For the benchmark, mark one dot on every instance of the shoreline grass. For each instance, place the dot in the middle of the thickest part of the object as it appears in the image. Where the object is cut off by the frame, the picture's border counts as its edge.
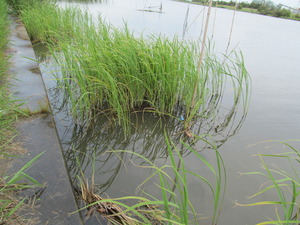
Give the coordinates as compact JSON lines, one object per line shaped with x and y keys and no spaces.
{"x":5,"y":103}
{"x":111,"y":71}
{"x":96,"y":59}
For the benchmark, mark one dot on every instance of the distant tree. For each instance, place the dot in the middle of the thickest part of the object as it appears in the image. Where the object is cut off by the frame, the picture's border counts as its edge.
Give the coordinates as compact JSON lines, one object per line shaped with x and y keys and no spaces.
{"x":200,"y":1}
{"x":244,"y":5}
{"x":222,"y":3}
{"x":231,"y":3}
{"x":266,"y":8}
{"x":254,"y":5}
{"x":282,"y":13}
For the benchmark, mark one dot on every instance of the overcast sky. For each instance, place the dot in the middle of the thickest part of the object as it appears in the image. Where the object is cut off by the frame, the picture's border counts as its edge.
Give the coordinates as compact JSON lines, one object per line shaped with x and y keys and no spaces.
{"x":292,"y":3}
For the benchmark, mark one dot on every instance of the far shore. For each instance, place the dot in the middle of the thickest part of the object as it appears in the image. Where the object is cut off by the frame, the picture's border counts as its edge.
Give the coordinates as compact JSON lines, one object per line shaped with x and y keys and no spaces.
{"x":247,"y":10}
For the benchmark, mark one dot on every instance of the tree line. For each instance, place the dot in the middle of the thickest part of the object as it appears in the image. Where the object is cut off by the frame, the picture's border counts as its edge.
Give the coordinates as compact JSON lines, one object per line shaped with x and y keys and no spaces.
{"x":264,"y":7}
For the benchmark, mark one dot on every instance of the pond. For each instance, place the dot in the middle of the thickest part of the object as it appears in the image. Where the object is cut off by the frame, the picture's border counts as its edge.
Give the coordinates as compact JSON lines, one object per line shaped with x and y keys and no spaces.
{"x":270,"y":47}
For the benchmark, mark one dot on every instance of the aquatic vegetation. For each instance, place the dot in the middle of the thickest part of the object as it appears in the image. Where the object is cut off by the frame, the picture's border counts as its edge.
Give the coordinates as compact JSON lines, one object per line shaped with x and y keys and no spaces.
{"x":46,"y":22}
{"x":114,"y":72}
{"x":175,"y":206}
{"x":84,"y":141}
{"x":284,"y":182}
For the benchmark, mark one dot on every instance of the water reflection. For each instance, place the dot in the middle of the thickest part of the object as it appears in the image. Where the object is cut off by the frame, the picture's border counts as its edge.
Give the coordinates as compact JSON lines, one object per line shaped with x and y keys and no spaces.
{"x":86,"y":145}
{"x":274,"y":113}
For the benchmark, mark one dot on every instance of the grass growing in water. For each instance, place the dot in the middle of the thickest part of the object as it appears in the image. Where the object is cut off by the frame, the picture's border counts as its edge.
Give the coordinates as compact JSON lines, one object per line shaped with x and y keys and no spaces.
{"x":107,"y":70}
{"x":111,"y":71}
{"x":46,"y":22}
{"x":175,"y":206}
{"x":285,"y":183}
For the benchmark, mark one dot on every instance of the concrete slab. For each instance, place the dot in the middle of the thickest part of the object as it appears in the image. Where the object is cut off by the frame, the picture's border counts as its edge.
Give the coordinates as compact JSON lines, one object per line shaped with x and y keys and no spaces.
{"x":27,"y":84}
{"x":38,"y":134}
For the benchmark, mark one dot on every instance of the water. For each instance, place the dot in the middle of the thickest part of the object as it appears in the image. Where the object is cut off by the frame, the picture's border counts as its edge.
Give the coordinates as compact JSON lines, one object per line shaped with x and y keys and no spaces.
{"x":271,"y":50}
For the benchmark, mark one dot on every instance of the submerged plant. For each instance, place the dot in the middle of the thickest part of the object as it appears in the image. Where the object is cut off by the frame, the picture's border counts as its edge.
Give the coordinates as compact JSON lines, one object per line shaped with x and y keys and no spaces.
{"x":285,"y":183}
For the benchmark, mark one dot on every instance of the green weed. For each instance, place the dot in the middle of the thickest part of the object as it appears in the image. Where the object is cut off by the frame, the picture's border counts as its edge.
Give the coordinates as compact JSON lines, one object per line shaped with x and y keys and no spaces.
{"x":174,"y":206}
{"x":284,"y":182}
{"x":10,"y":203}
{"x":9,"y":186}
{"x":111,"y":71}
{"x":5,"y":103}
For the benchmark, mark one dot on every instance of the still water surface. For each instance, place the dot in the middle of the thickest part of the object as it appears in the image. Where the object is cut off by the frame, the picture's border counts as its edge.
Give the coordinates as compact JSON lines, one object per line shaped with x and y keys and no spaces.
{"x":271,"y":48}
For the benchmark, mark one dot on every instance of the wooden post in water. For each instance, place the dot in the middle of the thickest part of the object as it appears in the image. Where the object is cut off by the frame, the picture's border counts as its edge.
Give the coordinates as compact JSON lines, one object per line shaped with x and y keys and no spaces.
{"x":200,"y":59}
{"x":231,"y":28}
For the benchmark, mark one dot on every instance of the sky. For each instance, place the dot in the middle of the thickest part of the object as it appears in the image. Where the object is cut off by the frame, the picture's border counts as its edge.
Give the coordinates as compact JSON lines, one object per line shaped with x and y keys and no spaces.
{"x":292,"y":3}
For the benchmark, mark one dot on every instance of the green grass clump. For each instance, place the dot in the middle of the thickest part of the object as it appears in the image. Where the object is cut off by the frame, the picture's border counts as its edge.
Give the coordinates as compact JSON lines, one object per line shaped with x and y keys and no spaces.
{"x":5,"y":103}
{"x":3,"y":29}
{"x":46,"y":22}
{"x":10,"y":203}
{"x":18,"y":5}
{"x":111,"y":71}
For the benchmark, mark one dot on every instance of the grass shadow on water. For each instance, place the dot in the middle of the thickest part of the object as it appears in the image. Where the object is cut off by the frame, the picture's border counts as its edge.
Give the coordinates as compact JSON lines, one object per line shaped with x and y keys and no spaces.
{"x":174,"y":205}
